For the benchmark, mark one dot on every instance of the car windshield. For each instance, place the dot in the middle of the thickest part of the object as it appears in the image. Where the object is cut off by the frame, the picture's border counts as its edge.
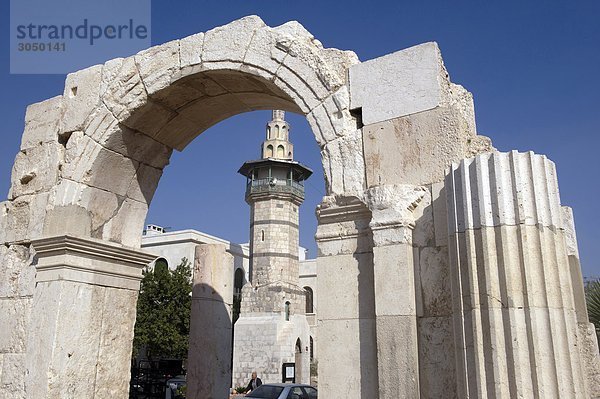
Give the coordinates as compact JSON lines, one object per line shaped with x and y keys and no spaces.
{"x":266,"y":392}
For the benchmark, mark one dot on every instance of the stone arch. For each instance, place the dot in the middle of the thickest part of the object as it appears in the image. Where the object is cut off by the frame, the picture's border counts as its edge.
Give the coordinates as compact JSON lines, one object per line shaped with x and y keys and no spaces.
{"x":116,"y":135}
{"x":91,"y":159}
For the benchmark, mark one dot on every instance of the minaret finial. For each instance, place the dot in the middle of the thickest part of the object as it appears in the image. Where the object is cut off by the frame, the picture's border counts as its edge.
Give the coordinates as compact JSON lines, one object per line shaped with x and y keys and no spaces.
{"x":278,"y":115}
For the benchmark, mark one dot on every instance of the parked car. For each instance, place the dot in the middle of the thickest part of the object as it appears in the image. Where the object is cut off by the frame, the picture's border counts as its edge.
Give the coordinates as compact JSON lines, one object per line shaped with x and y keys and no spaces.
{"x":284,"y":391}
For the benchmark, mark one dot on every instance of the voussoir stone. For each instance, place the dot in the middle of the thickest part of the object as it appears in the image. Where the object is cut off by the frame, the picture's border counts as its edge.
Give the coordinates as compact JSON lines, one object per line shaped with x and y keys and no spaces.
{"x":190,"y":50}
{"x":345,"y":157}
{"x":122,"y":89}
{"x":80,"y":97}
{"x":229,"y":42}
{"x":157,"y":65}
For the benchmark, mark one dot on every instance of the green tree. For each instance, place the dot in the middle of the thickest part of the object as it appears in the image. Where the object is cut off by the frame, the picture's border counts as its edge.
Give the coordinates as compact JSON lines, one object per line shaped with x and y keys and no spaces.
{"x":592,"y":299}
{"x":163,"y":311}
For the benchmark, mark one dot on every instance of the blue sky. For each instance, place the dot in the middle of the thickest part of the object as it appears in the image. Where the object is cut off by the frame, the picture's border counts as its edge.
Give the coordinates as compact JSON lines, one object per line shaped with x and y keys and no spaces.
{"x":532,"y":66}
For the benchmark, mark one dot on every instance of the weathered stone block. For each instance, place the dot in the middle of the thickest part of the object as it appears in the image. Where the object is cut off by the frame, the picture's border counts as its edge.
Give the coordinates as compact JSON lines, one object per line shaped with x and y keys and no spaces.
{"x":399,"y":84}
{"x":126,"y":225}
{"x":397,"y":356}
{"x":17,"y":273}
{"x":42,"y":122}
{"x":434,"y":278}
{"x":415,"y":149}
{"x":157,"y":65}
{"x":24,"y":217}
{"x":16,"y":313}
{"x":12,"y":376}
{"x":345,"y":157}
{"x":229,"y":42}
{"x":36,"y":169}
{"x":355,"y":365}
{"x":80,"y":98}
{"x":437,"y":378}
{"x":190,"y":49}
{"x":144,"y":184}
{"x":122,"y":89}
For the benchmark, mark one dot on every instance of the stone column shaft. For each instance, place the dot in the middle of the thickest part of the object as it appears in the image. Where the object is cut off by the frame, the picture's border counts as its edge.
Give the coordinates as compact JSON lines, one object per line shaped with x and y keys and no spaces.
{"x":395,"y":289}
{"x":346,"y":303}
{"x":209,"y":357}
{"x":515,"y":322}
{"x":84,"y":310}
{"x":396,"y":316}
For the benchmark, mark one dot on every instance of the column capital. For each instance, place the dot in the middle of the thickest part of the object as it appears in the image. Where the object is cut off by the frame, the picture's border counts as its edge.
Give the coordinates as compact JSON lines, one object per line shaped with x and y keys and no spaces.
{"x":89,"y":261}
{"x":392,"y":207}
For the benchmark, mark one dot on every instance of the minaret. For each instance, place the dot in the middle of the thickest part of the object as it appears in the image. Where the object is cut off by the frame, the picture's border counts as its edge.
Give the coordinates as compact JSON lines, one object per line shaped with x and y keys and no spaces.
{"x":272,"y":328}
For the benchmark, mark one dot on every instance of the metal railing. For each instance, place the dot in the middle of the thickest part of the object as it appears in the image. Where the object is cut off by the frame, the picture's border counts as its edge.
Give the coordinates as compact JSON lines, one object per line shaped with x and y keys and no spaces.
{"x":272,"y":185}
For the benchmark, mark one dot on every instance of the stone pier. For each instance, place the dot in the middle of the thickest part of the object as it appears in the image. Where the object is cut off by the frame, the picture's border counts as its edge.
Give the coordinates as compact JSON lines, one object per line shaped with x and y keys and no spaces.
{"x":209,"y":356}
{"x":85,"y":298}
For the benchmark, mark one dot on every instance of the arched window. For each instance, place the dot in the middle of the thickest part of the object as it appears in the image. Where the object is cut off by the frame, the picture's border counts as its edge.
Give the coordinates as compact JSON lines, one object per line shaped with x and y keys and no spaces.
{"x":277,"y":131}
{"x":238,"y":281}
{"x":283,"y":132}
{"x":287,"y":311}
{"x":280,"y":151}
{"x":269,"y":153}
{"x":268,"y":132}
{"x":161,"y":265}
{"x":309,"y":300}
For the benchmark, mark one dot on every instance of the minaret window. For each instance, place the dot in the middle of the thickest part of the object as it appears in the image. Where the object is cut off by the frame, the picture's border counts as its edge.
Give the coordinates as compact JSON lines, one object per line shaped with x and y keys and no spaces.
{"x":269,"y":153}
{"x":280,"y":151}
{"x":278,"y":134}
{"x":268,"y":132}
{"x":309,"y":300}
{"x":287,"y":311}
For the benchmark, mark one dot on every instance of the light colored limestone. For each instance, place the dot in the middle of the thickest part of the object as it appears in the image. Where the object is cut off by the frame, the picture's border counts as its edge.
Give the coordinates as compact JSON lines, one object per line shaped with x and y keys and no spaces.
{"x":399,"y":84}
{"x":508,"y":254}
{"x":394,"y":241}
{"x":157,"y":64}
{"x":42,"y":122}
{"x":229,"y":42}
{"x":36,"y":169}
{"x":80,"y":98}
{"x":419,"y":147}
{"x":94,"y":286}
{"x":209,"y":358}
{"x":345,"y":165}
{"x":190,"y":50}
{"x":122,"y":89}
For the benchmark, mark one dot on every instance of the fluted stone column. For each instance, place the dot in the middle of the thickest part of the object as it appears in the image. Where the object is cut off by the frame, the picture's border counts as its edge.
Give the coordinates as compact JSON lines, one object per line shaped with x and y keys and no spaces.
{"x":209,"y":357}
{"x":514,"y":313}
{"x":587,"y":341}
{"x":392,"y":225}
{"x":346,"y":302}
{"x":84,"y":305}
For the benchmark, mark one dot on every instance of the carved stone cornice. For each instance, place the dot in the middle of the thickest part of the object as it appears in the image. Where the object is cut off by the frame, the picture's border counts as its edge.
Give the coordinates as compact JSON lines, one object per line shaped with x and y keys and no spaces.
{"x":341,"y":218}
{"x":89,"y":261}
{"x":343,"y":227}
{"x":392,"y":208}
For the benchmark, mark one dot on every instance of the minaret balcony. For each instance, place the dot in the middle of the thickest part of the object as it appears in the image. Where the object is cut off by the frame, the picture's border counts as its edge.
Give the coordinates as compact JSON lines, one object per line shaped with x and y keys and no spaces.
{"x":274,"y":185}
